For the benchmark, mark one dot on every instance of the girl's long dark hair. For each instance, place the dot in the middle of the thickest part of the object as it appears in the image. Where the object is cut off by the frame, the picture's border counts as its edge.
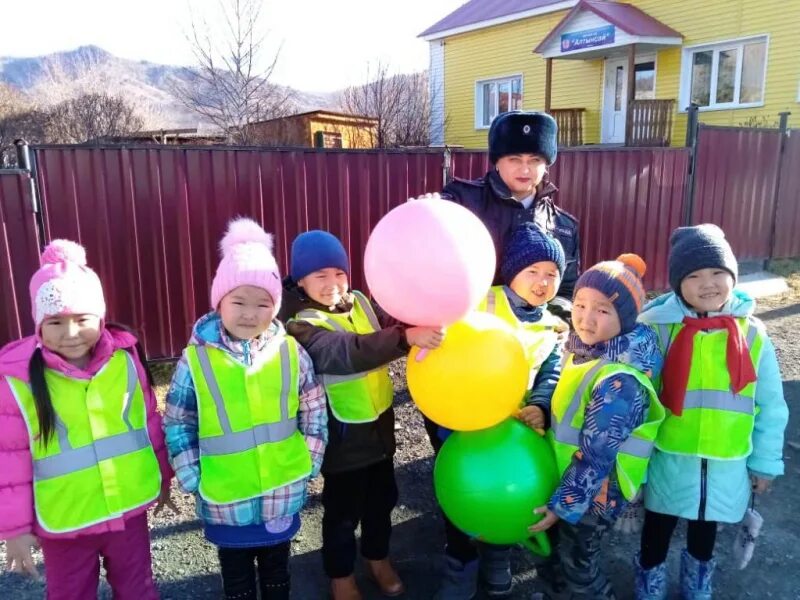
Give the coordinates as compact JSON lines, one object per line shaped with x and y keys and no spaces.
{"x":46,"y":414}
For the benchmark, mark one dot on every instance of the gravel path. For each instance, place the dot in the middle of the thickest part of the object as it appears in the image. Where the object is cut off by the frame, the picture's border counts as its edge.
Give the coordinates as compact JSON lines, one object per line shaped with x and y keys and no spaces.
{"x":186,"y":566}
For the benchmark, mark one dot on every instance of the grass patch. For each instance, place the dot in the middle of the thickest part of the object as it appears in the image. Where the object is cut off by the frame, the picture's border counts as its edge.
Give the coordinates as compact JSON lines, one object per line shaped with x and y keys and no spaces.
{"x":162,"y":375}
{"x":789,"y":269}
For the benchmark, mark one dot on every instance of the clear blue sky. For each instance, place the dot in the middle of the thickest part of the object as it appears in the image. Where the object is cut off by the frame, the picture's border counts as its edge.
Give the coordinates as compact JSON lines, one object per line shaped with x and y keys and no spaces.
{"x":326,"y":44}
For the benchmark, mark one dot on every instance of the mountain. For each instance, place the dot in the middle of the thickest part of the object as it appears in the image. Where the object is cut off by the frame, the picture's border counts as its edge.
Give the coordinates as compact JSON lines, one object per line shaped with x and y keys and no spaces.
{"x":54,"y":77}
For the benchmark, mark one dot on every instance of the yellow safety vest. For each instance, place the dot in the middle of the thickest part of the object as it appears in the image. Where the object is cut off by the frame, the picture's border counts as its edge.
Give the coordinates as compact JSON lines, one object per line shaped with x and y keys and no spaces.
{"x":248,"y":435}
{"x":716,"y":422}
{"x":360,"y":397}
{"x":100,"y":464}
{"x":538,"y":339}
{"x":572,"y":396}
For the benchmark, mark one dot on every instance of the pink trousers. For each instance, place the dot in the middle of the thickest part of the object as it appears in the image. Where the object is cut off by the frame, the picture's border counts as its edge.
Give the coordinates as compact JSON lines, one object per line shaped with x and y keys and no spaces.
{"x":72,"y":566}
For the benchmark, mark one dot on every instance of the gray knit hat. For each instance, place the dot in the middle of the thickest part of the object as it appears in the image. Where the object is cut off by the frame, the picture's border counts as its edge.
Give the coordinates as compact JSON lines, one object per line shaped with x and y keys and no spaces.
{"x":699,"y":247}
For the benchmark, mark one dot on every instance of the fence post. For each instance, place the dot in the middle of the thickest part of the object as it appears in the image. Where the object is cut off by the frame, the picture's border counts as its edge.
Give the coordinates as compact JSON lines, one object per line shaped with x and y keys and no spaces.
{"x":692,"y":132}
{"x":26,"y":162}
{"x":783,"y":126}
{"x":447,"y":166}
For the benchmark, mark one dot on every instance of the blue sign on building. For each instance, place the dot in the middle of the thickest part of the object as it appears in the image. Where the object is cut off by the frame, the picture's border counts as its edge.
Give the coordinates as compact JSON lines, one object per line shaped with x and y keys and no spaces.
{"x":588,"y":38}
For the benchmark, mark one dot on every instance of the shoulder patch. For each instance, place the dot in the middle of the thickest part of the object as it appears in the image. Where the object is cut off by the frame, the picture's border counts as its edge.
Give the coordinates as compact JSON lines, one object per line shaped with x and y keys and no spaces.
{"x":564,"y":213}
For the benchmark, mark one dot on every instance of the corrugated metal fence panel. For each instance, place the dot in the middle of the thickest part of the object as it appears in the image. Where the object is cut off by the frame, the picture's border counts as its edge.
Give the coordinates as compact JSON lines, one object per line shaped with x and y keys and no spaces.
{"x":151,"y":218}
{"x":787,"y":228}
{"x":19,"y":254}
{"x":735,"y":186}
{"x":627,"y":200}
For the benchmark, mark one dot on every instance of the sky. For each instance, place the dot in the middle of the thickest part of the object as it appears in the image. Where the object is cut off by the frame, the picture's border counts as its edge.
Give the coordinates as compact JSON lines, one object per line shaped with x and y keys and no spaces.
{"x":324,"y":44}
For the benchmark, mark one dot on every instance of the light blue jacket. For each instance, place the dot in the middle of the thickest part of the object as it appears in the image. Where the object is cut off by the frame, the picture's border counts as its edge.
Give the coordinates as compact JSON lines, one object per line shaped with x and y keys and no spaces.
{"x":674,"y":481}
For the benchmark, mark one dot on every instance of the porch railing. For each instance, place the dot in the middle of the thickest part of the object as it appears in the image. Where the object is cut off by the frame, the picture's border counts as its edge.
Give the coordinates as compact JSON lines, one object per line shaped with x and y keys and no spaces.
{"x":650,"y":122}
{"x":570,"y":125}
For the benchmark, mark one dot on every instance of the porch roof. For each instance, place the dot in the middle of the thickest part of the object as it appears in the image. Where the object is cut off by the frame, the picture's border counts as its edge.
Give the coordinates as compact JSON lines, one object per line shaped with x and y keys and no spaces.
{"x":637,"y":27}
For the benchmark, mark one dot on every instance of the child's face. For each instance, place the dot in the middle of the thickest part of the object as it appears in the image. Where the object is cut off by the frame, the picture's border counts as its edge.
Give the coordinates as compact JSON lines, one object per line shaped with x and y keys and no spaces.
{"x":594,"y":317}
{"x":71,"y":336}
{"x":538,"y":283}
{"x":707,"y":290}
{"x":326,"y":286}
{"x":521,"y":172}
{"x":247,"y":311}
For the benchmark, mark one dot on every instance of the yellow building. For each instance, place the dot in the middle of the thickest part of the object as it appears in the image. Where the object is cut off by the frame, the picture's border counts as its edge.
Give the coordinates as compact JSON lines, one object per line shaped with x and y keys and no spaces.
{"x":613,"y":72}
{"x":317,"y":129}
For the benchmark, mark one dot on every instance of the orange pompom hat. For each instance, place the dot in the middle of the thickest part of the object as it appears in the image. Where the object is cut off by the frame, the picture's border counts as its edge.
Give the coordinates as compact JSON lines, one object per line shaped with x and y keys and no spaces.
{"x":621,"y":281}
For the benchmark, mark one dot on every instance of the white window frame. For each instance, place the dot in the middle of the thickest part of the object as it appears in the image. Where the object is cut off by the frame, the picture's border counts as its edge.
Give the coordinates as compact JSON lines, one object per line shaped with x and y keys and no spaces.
{"x":716,"y":47}
{"x":479,"y":95}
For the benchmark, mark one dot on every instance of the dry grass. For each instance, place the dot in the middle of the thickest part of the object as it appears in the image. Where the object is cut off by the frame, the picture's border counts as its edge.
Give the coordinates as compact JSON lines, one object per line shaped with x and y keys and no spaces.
{"x":162,"y":375}
{"x":790,"y":270}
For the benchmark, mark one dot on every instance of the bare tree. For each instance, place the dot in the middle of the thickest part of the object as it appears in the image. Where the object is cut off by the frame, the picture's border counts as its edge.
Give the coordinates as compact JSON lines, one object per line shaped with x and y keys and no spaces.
{"x":17,"y":120}
{"x":90,"y":117}
{"x":400,"y":102}
{"x":227,"y":87}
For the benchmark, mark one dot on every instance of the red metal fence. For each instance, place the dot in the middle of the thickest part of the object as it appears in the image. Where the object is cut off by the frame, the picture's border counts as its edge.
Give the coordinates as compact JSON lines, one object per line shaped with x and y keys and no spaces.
{"x":19,"y":254}
{"x":151,"y":217}
{"x":787,"y":219}
{"x":735,"y":182}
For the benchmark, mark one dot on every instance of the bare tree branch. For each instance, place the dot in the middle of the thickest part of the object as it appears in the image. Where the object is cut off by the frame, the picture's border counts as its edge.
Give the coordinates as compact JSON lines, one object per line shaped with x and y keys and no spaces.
{"x":226,"y":86}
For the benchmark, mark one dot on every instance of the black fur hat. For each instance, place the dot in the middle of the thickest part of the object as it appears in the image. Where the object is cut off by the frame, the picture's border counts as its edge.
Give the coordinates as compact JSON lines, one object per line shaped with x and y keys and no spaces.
{"x":519,"y":132}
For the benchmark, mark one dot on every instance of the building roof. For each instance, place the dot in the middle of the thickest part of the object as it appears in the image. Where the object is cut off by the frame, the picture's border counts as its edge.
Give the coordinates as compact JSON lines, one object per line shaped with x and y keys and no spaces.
{"x":321,"y":113}
{"x":476,"y":14}
{"x":627,"y":17}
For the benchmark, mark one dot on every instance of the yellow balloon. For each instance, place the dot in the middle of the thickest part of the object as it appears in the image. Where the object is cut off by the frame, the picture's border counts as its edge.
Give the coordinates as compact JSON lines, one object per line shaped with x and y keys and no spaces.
{"x":475,"y":379}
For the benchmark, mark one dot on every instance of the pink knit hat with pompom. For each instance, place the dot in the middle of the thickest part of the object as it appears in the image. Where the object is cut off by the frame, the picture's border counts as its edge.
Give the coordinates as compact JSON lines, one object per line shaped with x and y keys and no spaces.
{"x":246,"y":260}
{"x":64,"y":285}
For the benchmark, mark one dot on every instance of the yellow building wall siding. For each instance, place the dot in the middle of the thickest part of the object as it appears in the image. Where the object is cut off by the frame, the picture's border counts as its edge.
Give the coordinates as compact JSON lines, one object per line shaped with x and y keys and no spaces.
{"x":353,"y":136}
{"x":506,"y":50}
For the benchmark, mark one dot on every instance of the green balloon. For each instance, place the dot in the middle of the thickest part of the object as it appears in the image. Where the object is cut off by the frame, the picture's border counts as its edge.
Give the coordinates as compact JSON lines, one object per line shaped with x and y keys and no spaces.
{"x":488,"y":483}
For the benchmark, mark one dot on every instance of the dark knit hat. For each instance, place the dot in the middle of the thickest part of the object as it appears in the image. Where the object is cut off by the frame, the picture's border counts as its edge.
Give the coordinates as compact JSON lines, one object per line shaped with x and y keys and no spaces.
{"x":529,"y":244}
{"x":621,"y":281}
{"x":315,"y":250}
{"x":519,"y":132}
{"x":699,"y":247}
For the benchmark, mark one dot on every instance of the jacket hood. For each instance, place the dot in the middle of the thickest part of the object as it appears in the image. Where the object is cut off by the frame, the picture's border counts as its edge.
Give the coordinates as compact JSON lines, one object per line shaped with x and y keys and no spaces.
{"x":669,"y":308}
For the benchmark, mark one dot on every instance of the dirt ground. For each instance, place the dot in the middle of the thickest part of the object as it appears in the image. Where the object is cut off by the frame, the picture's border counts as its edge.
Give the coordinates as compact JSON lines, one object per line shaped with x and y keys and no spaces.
{"x":186,"y":565}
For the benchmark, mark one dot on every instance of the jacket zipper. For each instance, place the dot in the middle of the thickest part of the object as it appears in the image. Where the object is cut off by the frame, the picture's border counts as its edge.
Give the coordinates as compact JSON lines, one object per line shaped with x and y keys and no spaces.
{"x":703,"y":486}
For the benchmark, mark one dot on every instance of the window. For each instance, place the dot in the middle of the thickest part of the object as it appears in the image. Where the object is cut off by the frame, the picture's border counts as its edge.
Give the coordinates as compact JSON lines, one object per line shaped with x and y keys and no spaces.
{"x":645,"y":80}
{"x":327,"y":139}
{"x":495,"y":97}
{"x":726,"y":75}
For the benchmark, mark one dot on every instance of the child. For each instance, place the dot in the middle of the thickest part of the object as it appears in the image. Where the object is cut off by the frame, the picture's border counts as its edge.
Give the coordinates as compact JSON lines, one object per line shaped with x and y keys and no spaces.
{"x":723,"y":435}
{"x":531,"y":268}
{"x":605,"y":416}
{"x":351,"y":347}
{"x":246,"y":419}
{"x":81,"y":443}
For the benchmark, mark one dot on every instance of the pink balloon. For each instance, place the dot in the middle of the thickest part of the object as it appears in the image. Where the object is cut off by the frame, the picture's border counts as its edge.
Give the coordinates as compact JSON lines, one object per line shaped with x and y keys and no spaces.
{"x":429,"y":262}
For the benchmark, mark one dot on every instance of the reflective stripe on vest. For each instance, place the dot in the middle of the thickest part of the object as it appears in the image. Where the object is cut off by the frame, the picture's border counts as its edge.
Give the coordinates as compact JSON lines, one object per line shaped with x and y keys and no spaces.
{"x":570,"y":400}
{"x":357,"y":397}
{"x":79,"y":484}
{"x":231,"y":442}
{"x":538,"y":339}
{"x":725,"y":433}
{"x":248,"y":431}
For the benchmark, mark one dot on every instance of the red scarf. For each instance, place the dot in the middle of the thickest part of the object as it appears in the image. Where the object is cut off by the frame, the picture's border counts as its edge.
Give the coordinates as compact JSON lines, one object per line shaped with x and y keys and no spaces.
{"x":679,"y":359}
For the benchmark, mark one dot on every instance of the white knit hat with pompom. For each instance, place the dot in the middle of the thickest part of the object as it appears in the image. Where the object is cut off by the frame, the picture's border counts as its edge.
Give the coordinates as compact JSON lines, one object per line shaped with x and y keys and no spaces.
{"x":64,"y":285}
{"x":246,"y":260}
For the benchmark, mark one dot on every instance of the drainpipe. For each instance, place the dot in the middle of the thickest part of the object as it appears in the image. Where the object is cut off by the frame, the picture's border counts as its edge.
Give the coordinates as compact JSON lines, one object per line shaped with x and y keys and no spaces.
{"x":26,"y":162}
{"x":692,"y":131}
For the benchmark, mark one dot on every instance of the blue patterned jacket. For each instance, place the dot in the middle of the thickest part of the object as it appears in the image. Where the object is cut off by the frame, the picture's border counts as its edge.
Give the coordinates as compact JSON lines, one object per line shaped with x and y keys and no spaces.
{"x":617,"y":407}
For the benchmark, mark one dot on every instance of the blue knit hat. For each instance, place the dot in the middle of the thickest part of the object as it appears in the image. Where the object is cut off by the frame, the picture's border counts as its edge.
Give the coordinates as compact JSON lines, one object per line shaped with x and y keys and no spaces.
{"x":699,"y":247}
{"x":621,"y":281}
{"x":527,"y":245}
{"x":518,"y":132}
{"x":315,"y":250}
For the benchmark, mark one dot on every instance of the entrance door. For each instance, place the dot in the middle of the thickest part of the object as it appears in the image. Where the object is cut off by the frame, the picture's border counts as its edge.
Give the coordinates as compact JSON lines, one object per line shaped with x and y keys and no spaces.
{"x":615,"y":101}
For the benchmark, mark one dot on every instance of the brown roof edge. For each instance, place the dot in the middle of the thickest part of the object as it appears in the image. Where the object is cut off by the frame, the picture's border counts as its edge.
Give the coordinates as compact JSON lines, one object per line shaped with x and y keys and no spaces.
{"x":333,"y":113}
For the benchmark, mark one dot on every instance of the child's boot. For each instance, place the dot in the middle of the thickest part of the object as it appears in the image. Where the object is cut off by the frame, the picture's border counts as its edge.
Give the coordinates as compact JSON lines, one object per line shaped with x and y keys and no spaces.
{"x":495,"y":570}
{"x":696,"y":576}
{"x":460,"y":581}
{"x":386,"y":578}
{"x":345,"y":588}
{"x":651,"y":584}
